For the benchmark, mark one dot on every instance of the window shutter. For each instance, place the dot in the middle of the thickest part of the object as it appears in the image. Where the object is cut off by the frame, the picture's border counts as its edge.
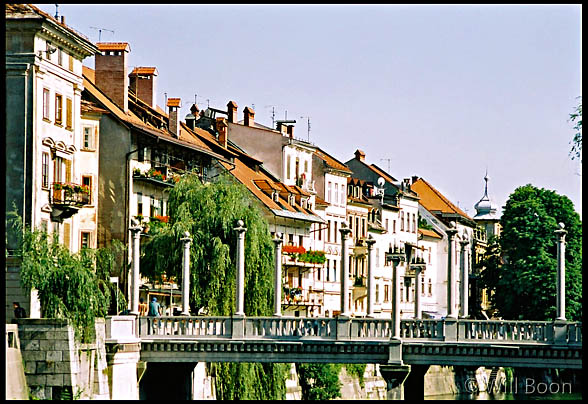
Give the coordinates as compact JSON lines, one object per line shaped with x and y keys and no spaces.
{"x":69,"y":113}
{"x":67,"y":170}
{"x":66,"y":235}
{"x":71,"y":67}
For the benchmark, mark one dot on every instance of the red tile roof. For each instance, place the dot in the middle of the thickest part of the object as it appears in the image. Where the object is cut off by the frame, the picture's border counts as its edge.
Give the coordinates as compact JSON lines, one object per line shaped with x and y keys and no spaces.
{"x":144,"y":70}
{"x":331,"y":161}
{"x":111,"y":46}
{"x":429,"y":233}
{"x":433,"y":200}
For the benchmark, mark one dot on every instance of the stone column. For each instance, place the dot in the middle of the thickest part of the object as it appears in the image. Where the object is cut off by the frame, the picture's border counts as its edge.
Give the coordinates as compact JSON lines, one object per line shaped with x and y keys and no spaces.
{"x":417,"y":291}
{"x":344,"y":230}
{"x":135,"y":278}
{"x":561,"y":273}
{"x":278,"y":276}
{"x":240,"y":303}
{"x":371,"y":287}
{"x":186,"y":275}
{"x":464,"y":278}
{"x":450,"y":273}
{"x":395,"y":297}
{"x":395,"y":375}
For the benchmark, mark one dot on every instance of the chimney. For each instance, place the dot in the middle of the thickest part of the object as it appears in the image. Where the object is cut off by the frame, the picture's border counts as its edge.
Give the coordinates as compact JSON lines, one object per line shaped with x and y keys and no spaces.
{"x":232,"y":111}
{"x":62,"y":20}
{"x":415,"y":178}
{"x":248,"y":116}
{"x":221,"y":127}
{"x":111,"y":72}
{"x":359,"y":155}
{"x":192,"y":116}
{"x":142,"y":83}
{"x":406,"y":184}
{"x":173,"y":105}
{"x":290,"y":130}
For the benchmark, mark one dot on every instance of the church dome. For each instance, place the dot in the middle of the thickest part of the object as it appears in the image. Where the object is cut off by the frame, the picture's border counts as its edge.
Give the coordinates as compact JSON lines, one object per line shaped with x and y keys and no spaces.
{"x":485,"y":208}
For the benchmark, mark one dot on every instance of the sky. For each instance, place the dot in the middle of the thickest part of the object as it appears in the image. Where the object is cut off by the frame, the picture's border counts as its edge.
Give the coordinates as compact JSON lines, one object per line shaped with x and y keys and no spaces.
{"x":444,"y":92}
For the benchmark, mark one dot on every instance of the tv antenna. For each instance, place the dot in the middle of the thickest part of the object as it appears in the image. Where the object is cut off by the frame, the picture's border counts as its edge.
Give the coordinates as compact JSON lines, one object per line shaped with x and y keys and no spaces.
{"x":388,"y":160}
{"x":57,"y":11}
{"x":100,"y":32}
{"x":308,"y":126}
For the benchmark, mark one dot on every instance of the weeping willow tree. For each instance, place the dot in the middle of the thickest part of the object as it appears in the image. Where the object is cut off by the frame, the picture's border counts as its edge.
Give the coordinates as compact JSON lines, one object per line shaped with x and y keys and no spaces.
{"x":70,"y":286}
{"x":210,"y":213}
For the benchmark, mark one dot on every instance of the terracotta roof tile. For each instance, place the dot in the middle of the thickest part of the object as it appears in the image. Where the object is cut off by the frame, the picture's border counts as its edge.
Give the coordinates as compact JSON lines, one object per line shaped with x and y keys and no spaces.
{"x":144,"y":70}
{"x":433,"y":200}
{"x":113,"y":46}
{"x":331,"y":161}
{"x":173,"y":102}
{"x":429,"y":233}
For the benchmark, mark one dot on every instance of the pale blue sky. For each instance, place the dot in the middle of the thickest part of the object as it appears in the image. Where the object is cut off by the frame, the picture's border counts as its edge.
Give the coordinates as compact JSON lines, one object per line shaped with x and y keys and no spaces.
{"x":441,"y":91}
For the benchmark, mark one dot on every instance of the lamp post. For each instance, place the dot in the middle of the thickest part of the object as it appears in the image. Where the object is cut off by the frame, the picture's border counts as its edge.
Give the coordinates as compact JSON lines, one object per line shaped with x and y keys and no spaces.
{"x":240,"y":303}
{"x":186,"y":275}
{"x":561,"y":272}
{"x":278,"y":276}
{"x":370,"y":279}
{"x":344,"y":230}
{"x":464,"y":243}
{"x":136,"y":237}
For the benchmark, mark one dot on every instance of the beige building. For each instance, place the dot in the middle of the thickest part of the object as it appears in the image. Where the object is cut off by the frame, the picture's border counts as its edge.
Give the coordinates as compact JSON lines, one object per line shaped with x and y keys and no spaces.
{"x":47,"y":164}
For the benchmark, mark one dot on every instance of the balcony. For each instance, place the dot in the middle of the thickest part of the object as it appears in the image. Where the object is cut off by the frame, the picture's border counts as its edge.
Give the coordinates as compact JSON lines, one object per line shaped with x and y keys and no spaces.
{"x":359,"y":282}
{"x":66,"y":199}
{"x":161,"y":176}
{"x":298,"y":256}
{"x":297,"y":296}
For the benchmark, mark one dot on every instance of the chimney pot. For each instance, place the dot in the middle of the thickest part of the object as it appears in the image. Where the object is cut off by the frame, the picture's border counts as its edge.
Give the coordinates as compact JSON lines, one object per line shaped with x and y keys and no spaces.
{"x":62,"y":20}
{"x":249,"y":114}
{"x":221,"y":127}
{"x":359,"y":155}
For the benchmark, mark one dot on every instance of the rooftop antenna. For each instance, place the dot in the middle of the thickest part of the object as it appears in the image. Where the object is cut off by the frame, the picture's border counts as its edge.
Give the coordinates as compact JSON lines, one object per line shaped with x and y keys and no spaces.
{"x":57,"y":11}
{"x":308,"y":126}
{"x":388,"y":160}
{"x":165,"y":102}
{"x":195,"y":99}
{"x":100,"y":32}
{"x":273,"y":114}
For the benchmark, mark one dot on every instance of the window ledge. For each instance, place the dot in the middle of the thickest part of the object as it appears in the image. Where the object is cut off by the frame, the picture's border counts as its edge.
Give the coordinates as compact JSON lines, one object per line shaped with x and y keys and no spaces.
{"x":59,"y":124}
{"x":46,"y":120}
{"x":87,"y":150}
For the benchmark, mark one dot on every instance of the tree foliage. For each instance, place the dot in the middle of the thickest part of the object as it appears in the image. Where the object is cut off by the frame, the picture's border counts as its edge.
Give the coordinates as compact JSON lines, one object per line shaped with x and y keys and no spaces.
{"x":576,"y":118}
{"x":521,"y":267}
{"x":70,"y":286}
{"x":209,"y":212}
{"x":319,"y":381}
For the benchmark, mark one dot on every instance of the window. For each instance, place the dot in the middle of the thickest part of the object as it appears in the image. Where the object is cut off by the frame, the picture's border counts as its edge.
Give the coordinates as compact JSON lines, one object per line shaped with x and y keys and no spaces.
{"x":306,"y":166}
{"x":394,"y":226}
{"x":88,"y":138}
{"x":46,"y":104}
{"x":139,"y":203}
{"x":58,"y":169}
{"x":401,"y":221}
{"x":430,"y":288}
{"x":87,"y":181}
{"x":429,"y":257}
{"x":58,"y":109}
{"x":328,"y":270}
{"x":329,"y":192}
{"x":386,"y":224}
{"x":402,"y":289}
{"x":336,"y":201}
{"x":71,"y":63}
{"x":377,"y":293}
{"x":318,"y":274}
{"x":363,"y":228}
{"x":407,"y":221}
{"x":85,"y":239}
{"x":288,"y":167}
{"x":45,"y":170}
{"x":320,"y":232}
{"x":350,"y":222}
{"x":414,"y":227}
{"x":336,"y":232}
{"x":155,"y":208}
{"x":300,"y":240}
{"x":59,"y":57}
{"x":69,"y":114}
{"x":290,"y":239}
{"x":329,"y":232}
{"x":335,"y":270}
{"x":422,"y":286}
{"x":386,"y":293}
{"x":342,"y":195}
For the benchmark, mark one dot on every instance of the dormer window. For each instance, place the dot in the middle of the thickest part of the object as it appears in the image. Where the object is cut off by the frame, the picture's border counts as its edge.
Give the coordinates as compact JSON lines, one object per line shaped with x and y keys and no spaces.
{"x":275,"y":196}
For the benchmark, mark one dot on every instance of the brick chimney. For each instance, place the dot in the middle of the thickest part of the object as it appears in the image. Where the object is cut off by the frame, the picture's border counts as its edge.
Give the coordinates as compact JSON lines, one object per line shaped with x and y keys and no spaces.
{"x":221,"y":127}
{"x":111,"y":72}
{"x":248,"y":115}
{"x":359,"y":155}
{"x":232,"y":111}
{"x":173,"y":105}
{"x":290,"y":130}
{"x":142,"y":83}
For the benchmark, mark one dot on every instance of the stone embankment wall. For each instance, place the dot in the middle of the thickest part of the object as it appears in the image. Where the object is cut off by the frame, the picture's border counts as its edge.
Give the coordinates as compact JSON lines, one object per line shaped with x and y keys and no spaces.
{"x":16,"y":383}
{"x":57,"y":366}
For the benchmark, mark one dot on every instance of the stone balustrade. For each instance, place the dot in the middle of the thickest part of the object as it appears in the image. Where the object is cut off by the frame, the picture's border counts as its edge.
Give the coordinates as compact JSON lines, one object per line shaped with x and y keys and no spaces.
{"x":323,"y":328}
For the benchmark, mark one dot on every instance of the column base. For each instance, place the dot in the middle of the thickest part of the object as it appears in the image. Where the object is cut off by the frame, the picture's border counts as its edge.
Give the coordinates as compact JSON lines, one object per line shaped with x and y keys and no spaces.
{"x":395,"y":375}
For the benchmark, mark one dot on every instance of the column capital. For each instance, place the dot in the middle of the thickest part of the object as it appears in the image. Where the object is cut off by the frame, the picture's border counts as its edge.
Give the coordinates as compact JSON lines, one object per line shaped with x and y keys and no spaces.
{"x":561,"y":233}
{"x":186,"y":239}
{"x":451,"y":231}
{"x":370,"y":242}
{"x":277,"y":240}
{"x":240,"y":227}
{"x":344,"y":230}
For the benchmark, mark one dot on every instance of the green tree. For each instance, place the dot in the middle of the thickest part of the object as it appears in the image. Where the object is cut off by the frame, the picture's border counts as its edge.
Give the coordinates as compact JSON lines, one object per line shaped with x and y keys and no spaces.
{"x":70,"y":286}
{"x":319,"y":381}
{"x":210,"y":213}
{"x":521,"y":268}
{"x":576,"y":118}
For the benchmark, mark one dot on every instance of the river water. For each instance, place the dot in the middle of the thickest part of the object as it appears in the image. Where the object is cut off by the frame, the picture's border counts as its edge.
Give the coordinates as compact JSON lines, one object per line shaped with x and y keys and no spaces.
{"x":506,"y":396}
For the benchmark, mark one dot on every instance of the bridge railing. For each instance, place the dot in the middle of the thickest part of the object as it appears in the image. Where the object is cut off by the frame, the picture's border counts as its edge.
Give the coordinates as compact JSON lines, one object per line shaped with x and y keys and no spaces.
{"x":201,"y":326}
{"x":363,"y":328}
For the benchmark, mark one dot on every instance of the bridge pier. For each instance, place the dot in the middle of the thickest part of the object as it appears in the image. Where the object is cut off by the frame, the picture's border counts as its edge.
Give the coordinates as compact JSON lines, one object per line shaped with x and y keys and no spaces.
{"x":414,"y":385}
{"x":395,"y":376}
